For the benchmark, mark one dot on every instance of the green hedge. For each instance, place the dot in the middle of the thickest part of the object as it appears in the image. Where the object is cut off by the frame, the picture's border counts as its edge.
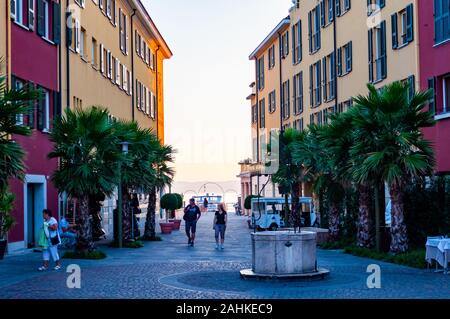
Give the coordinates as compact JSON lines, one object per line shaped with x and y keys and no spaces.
{"x":96,"y":254}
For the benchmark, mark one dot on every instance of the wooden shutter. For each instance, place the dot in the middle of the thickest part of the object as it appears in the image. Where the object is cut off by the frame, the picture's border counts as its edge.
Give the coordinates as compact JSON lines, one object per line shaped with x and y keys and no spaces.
{"x":382,"y":3}
{"x":319,"y":81}
{"x":339,"y":61}
{"x":370,"y":44}
{"x":13,"y":9}
{"x":432,"y":102}
{"x":300,"y":45}
{"x":120,"y":30}
{"x":348,"y":5}
{"x":322,"y":13}
{"x":409,"y":23}
{"x":310,"y":31}
{"x":311,"y":87}
{"x":324,"y":79}
{"x":338,"y":8}
{"x":383,"y":50}
{"x":394,"y":23}
{"x":350,"y":59}
{"x":40,"y":18}
{"x":56,"y":23}
{"x":411,"y":86}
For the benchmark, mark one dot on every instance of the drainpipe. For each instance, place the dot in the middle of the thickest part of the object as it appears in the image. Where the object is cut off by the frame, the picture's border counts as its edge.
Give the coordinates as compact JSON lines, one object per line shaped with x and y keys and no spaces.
{"x":7,"y":38}
{"x":281,"y":83}
{"x":336,"y":102}
{"x":257,"y":119}
{"x":157,"y":92}
{"x":132,"y":65}
{"x":60,"y":69}
{"x":67,"y":59}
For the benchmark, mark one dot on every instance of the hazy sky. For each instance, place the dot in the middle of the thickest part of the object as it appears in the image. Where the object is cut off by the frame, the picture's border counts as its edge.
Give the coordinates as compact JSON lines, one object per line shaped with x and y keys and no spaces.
{"x":207,"y":118}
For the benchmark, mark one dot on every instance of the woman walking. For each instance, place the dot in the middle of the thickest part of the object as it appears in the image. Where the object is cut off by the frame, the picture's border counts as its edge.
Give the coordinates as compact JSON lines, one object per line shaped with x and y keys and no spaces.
{"x":220,"y":224}
{"x":49,"y":240}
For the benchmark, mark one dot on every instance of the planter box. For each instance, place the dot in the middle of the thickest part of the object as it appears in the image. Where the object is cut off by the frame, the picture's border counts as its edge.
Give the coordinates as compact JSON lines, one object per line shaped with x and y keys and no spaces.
{"x":166,"y":228}
{"x":176,"y":223}
{"x":284,"y":252}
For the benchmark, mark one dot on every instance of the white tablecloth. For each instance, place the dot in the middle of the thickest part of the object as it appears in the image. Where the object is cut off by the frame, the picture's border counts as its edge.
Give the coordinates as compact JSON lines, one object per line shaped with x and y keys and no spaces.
{"x":439,"y":250}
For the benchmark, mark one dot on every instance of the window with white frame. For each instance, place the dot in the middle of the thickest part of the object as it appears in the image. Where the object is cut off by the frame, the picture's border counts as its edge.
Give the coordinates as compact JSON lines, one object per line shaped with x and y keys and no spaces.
{"x":298,"y":93}
{"x":118,"y":68}
{"x":94,"y":53}
{"x":82,"y":42}
{"x":17,"y":11}
{"x":272,"y":102}
{"x":31,"y":12}
{"x":271,"y":57}
{"x":18,"y":85}
{"x":441,"y":20}
{"x":44,"y":111}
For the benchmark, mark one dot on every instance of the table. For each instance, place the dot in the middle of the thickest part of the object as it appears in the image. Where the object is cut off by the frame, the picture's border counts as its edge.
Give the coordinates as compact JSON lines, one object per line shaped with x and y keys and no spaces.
{"x":439,"y":250}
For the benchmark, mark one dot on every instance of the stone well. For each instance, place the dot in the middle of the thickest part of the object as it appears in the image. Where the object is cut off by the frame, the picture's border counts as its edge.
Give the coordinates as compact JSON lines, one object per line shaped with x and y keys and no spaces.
{"x":284,"y":254}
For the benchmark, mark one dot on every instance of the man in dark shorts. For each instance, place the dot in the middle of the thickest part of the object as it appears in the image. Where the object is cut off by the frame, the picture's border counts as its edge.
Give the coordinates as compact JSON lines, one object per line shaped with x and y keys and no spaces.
{"x":191,"y":215}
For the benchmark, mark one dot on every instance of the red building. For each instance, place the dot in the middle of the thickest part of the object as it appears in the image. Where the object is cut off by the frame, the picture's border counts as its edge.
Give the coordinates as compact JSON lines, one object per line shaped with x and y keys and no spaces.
{"x":35,"y":38}
{"x":434,"y":32}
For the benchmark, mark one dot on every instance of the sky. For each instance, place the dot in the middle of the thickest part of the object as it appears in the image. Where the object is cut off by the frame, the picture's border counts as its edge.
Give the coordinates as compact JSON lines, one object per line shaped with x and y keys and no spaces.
{"x":206,"y":82}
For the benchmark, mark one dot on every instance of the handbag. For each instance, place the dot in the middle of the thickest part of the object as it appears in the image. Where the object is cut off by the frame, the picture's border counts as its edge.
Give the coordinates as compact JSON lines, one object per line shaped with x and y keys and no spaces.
{"x":55,"y":240}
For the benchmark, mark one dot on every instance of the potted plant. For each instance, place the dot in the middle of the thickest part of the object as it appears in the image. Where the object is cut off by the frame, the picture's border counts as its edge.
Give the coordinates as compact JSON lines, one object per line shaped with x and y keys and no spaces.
{"x":169,"y":202}
{"x":6,"y":219}
{"x":177,"y":222}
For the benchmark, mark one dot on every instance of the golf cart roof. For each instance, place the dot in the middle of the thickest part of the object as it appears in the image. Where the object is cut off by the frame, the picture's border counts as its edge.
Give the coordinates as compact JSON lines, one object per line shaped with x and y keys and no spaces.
{"x":280,"y":200}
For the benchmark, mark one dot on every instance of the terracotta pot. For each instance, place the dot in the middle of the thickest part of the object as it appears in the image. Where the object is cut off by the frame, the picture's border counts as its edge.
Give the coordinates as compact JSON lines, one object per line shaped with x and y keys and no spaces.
{"x":166,"y":228}
{"x":176,"y":223}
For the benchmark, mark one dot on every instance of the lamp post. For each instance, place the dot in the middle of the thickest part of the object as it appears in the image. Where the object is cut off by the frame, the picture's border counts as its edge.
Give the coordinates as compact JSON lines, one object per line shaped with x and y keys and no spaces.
{"x":119,"y":204}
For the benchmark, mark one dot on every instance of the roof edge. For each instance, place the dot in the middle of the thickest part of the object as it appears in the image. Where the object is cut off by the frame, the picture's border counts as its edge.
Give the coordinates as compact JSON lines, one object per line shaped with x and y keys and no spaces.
{"x":281,"y":25}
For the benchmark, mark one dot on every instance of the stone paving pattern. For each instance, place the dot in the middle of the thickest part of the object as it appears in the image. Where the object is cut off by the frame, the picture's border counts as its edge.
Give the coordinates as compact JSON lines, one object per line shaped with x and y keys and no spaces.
{"x":171,"y":270}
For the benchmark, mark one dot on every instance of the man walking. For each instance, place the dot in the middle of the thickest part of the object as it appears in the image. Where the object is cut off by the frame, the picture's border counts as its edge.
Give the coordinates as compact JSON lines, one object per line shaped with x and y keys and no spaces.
{"x":191,"y":215}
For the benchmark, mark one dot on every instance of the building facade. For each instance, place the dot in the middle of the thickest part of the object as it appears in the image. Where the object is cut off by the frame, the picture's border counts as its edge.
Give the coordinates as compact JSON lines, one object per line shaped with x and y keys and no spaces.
{"x":79,"y":53}
{"x":434,"y":32}
{"x":323,"y":54}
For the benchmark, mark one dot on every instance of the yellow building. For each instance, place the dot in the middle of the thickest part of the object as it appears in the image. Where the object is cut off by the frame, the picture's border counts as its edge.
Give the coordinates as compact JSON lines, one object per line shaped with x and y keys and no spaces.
{"x":5,"y":43}
{"x":328,"y":51}
{"x":114,"y":58}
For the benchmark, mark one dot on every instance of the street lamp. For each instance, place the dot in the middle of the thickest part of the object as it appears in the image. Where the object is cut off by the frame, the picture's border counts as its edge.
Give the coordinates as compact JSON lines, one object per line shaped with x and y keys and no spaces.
{"x":119,"y":204}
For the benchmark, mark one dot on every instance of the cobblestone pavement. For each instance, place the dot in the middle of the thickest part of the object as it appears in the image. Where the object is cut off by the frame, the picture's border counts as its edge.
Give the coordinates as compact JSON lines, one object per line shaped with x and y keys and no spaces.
{"x":171,"y":270}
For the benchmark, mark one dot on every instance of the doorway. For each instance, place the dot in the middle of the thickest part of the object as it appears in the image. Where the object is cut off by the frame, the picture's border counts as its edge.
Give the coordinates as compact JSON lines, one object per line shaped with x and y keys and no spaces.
{"x":35,"y":203}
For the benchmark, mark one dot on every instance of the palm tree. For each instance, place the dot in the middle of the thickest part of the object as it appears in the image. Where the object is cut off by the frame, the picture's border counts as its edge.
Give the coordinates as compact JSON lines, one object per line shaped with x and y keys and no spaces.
{"x":85,"y":143}
{"x":161,"y":157}
{"x":290,"y":174}
{"x":136,"y":172}
{"x":390,"y":146}
{"x":13,"y":103}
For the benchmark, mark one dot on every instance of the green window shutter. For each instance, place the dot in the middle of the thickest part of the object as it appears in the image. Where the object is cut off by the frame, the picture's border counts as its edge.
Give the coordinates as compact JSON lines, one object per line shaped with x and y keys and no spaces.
{"x":370,"y":45}
{"x":411,"y":87}
{"x":319,"y":73}
{"x":410,"y":23}
{"x":311,"y":91}
{"x":324,"y":83}
{"x":310,"y":31}
{"x":339,"y":61}
{"x":383,"y":50}
{"x":338,"y":8}
{"x":382,"y":3}
{"x":40,"y":113}
{"x":432,"y":102}
{"x":348,"y":5}
{"x":394,"y":23}
{"x":322,"y":13}
{"x":369,"y":7}
{"x":40,"y":18}
{"x":299,"y":35}
{"x":56,"y":23}
{"x":294,"y":55}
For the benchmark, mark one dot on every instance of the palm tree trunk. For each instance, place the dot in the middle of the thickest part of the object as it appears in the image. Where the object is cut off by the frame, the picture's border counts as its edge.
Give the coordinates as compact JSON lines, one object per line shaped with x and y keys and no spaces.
{"x":333,"y":223}
{"x":150,"y":223}
{"x":364,"y":237}
{"x":85,"y":242}
{"x":399,"y":235}
{"x":126,"y":216}
{"x":295,"y":210}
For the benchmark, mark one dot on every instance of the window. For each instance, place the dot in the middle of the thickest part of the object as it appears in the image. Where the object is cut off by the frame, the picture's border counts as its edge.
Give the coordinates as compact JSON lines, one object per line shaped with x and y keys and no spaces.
{"x":298,"y":93}
{"x":377,"y":53}
{"x":271,"y":57}
{"x":102,"y":59}
{"x":109,"y":64}
{"x":123,"y":32}
{"x":441,"y":20}
{"x":345,"y":59}
{"x":117,"y":70}
{"x":43,"y":19}
{"x":326,"y":12}
{"x":262,"y":113}
{"x":403,"y":25}
{"x":285,"y":100}
{"x":298,"y":124}
{"x":82,"y":3}
{"x":108,"y":8}
{"x":254,"y":114}
{"x":284,"y":48}
{"x":446,"y":94}
{"x":18,"y":85}
{"x":17,"y":11}
{"x":315,"y":80}
{"x":82,"y":42}
{"x":374,"y":5}
{"x":272,"y":102}
{"x":44,"y":111}
{"x":297,"y":43}
{"x":31,"y":14}
{"x":94,"y":53}
{"x":260,"y":72}
{"x":314,"y":29}
{"x":77,"y":35}
{"x":329,"y":77}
